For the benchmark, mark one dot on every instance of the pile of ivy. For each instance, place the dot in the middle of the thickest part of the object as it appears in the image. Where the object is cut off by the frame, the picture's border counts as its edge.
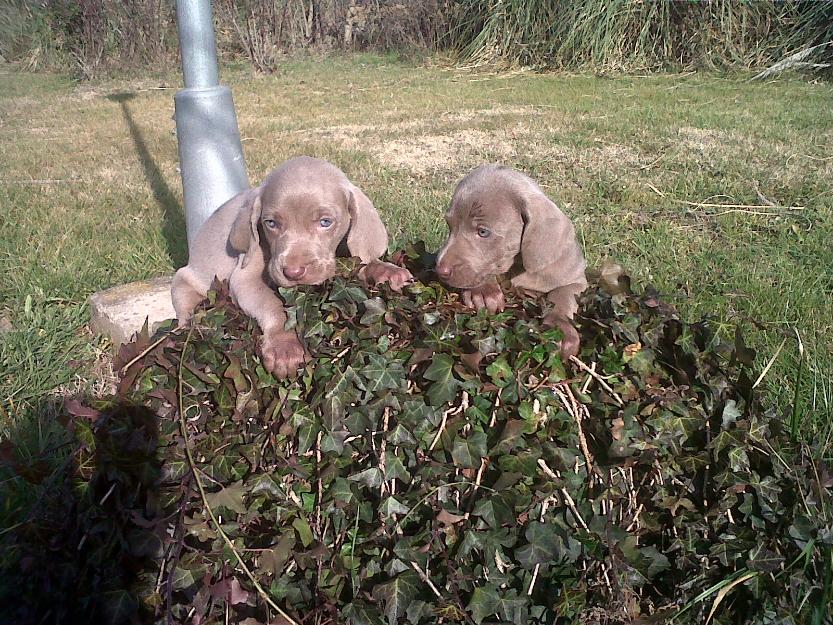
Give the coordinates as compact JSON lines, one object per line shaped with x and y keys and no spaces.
{"x":431,"y":465}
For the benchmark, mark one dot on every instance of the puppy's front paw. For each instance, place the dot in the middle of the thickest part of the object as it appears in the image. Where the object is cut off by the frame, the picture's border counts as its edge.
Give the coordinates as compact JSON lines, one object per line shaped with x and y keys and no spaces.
{"x":488,"y":296}
{"x":378,"y":272}
{"x":283,"y":353}
{"x":571,"y":341}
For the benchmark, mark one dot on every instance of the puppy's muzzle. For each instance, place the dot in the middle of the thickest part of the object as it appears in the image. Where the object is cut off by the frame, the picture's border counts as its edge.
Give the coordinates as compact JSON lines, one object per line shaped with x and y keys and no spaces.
{"x":294,"y":272}
{"x":444,"y":270}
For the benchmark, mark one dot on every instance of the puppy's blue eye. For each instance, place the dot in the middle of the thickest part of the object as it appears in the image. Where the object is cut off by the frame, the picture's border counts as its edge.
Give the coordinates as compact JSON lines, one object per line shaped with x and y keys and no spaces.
{"x":270,"y":223}
{"x":483,"y":233}
{"x":326,"y":222}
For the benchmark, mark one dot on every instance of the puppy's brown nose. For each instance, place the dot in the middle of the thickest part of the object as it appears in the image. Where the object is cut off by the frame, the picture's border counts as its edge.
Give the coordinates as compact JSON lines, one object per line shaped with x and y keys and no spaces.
{"x":444,"y":271}
{"x":294,"y":273}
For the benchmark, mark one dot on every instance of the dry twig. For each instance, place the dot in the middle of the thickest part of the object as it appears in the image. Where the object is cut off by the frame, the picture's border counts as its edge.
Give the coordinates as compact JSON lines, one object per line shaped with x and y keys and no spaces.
{"x":592,"y":372}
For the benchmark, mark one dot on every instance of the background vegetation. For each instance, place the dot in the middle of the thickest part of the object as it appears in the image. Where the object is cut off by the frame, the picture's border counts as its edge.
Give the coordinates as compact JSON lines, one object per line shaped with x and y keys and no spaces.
{"x":714,"y":188}
{"x":94,"y":36}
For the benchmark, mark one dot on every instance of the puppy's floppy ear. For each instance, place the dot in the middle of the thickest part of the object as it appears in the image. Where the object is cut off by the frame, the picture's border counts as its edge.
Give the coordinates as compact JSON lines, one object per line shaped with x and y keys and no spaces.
{"x":547,"y":238}
{"x":244,"y":237}
{"x":367,"y":237}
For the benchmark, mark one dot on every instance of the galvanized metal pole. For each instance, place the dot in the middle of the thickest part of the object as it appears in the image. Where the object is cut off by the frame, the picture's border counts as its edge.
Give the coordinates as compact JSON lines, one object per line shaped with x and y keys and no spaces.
{"x":210,"y":154}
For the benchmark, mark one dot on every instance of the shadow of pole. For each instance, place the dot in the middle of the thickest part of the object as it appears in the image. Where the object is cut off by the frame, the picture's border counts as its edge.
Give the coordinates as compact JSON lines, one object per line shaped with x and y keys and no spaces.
{"x":173,"y":228}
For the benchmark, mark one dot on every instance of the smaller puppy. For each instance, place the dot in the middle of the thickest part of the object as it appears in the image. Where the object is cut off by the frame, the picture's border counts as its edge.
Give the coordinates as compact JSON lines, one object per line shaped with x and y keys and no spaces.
{"x":284,"y":232}
{"x":500,"y":222}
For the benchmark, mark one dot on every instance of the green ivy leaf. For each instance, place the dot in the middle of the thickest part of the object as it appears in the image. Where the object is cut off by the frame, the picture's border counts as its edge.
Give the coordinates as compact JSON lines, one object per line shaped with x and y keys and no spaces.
{"x":493,"y":510}
{"x":397,"y":595}
{"x":371,"y":477}
{"x":444,"y":388}
{"x":361,"y":613}
{"x":381,"y":373}
{"x":484,"y":603}
{"x":182,"y":579}
{"x":117,"y":607}
{"x":730,"y":413}
{"x":500,"y":372}
{"x":512,"y":435}
{"x":307,"y":429}
{"x":391,"y":506}
{"x":764,"y":560}
{"x":230,"y":497}
{"x":401,"y":436}
{"x":542,"y":545}
{"x":395,"y":468}
{"x":468,"y":452}
{"x":374,"y":309}
{"x":304,"y":531}
{"x":418,"y":610}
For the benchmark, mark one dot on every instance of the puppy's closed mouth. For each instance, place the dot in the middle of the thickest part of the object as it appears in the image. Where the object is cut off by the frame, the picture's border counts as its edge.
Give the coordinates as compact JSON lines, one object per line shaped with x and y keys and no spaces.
{"x":468,"y":285}
{"x":303,"y":281}
{"x":312,"y":275}
{"x":455,"y":283}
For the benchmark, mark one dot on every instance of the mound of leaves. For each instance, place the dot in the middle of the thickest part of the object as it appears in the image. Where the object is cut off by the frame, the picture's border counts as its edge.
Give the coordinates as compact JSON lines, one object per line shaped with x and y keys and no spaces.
{"x":431,"y":465}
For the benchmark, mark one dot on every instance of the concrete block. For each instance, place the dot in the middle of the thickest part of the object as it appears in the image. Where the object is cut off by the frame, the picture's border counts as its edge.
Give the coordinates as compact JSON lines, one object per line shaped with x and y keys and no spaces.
{"x":120,"y":312}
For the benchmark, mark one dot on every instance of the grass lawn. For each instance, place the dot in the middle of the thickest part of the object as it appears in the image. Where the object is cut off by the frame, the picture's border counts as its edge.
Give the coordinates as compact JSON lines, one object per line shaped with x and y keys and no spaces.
{"x":717,"y":190}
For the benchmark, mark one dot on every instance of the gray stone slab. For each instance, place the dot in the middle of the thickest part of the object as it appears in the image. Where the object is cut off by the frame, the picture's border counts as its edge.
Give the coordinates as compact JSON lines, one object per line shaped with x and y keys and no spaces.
{"x":120,"y":312}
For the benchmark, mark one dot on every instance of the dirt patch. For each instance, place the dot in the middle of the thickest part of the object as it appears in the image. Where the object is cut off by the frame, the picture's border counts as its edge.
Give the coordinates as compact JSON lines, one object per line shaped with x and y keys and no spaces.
{"x":111,"y":174}
{"x":468,"y":115}
{"x":613,"y":156}
{"x":707,"y":139}
{"x":346,"y":132}
{"x":442,"y":151}
{"x":411,"y":144}
{"x":596,"y":160}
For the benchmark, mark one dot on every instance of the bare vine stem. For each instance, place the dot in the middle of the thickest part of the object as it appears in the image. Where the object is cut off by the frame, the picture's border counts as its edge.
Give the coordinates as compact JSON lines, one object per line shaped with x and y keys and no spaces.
{"x":192,"y":465}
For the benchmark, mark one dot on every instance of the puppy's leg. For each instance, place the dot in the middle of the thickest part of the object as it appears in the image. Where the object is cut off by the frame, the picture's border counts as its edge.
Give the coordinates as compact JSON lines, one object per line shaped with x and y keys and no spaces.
{"x":488,"y":295}
{"x":564,"y":307}
{"x":283,"y":353}
{"x":186,"y":293}
{"x":377,"y":272}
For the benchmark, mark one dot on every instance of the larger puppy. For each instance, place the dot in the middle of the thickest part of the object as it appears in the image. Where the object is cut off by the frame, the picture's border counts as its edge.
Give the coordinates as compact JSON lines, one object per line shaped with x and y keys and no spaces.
{"x":500,"y":222}
{"x":286,"y":231}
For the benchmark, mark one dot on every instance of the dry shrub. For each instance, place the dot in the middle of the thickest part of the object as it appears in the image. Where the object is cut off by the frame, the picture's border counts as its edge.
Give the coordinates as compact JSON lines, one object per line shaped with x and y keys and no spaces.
{"x":96,"y":36}
{"x":99,"y":36}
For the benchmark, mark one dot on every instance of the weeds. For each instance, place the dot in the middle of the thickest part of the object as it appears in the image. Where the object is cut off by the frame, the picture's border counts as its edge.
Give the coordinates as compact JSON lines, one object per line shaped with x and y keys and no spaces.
{"x":629,"y":35}
{"x":98,"y":36}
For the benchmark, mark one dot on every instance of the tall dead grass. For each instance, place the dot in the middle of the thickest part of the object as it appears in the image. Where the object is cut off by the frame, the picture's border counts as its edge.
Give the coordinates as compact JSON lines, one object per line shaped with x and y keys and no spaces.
{"x":633,"y":35}
{"x":96,"y":36}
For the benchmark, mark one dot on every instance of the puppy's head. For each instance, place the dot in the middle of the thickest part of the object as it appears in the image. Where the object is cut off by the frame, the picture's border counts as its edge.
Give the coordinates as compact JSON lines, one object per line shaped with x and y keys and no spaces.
{"x":300,"y":215}
{"x":485,"y":230}
{"x":499,"y":219}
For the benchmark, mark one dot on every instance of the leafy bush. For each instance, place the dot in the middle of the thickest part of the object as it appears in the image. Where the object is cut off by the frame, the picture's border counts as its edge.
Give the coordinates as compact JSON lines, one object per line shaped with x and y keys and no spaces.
{"x":435,"y":466}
